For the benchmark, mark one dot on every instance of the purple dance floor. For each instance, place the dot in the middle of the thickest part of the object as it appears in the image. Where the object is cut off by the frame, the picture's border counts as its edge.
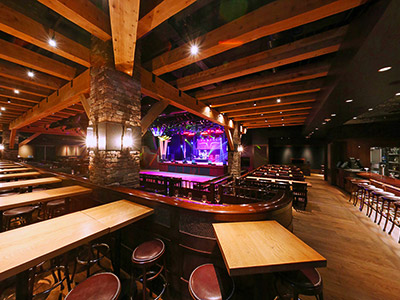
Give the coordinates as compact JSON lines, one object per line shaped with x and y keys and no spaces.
{"x":189,"y":177}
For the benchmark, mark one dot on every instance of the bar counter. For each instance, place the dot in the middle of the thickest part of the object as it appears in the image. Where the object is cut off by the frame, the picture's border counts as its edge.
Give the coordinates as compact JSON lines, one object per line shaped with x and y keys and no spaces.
{"x":383,"y":180}
{"x":184,"y":225}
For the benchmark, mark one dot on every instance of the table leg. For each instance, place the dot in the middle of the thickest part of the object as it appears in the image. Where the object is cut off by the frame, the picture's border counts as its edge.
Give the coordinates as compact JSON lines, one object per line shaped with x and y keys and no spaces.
{"x":30,"y":188}
{"x":22,"y":290}
{"x":116,"y":257}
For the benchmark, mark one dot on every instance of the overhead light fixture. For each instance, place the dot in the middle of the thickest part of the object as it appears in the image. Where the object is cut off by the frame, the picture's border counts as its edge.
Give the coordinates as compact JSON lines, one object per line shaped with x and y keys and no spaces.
{"x":261,"y":115}
{"x":52,"y":42}
{"x":384,"y":69}
{"x":370,"y":109}
{"x":266,"y":120}
{"x":397,"y":94}
{"x":254,"y":104}
{"x":8,"y":101}
{"x":283,"y":124}
{"x":16,"y":91}
{"x":323,"y":123}
{"x":354,"y":118}
{"x":280,"y":112}
{"x":3,"y":108}
{"x":31,"y":74}
{"x":240,"y":148}
{"x":349,"y":100}
{"x":278,"y":100}
{"x":333,"y":115}
{"x":316,"y":128}
{"x":194,"y":49}
{"x":282,"y":118}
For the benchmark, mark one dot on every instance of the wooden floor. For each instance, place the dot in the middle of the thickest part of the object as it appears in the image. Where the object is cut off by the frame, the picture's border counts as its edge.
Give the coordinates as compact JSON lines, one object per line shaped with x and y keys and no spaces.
{"x":363,"y":261}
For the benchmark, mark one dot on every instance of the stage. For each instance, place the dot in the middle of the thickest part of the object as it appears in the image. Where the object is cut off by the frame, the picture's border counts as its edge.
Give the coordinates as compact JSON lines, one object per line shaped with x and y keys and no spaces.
{"x":200,"y":168}
{"x":189,"y":177}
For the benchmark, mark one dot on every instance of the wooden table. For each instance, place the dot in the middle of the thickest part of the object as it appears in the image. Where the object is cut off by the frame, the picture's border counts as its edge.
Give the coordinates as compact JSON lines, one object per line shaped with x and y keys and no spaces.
{"x":277,"y":179}
{"x":263,"y":247}
{"x":116,"y":215}
{"x":19,"y":175}
{"x":28,"y":183}
{"x":8,"y":170}
{"x":10,"y":166}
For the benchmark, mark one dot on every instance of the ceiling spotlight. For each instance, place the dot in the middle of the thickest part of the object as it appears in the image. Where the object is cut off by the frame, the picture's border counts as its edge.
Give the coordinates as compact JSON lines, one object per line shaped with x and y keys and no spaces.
{"x":282,"y":119}
{"x":370,"y":109}
{"x":317,"y":128}
{"x":384,"y":69}
{"x":269,"y":125}
{"x":327,"y":120}
{"x":354,"y":118}
{"x":283,"y":124}
{"x":266,"y":120}
{"x":323,"y":123}
{"x":194,"y":50}
{"x":349,"y":100}
{"x":261,"y":115}
{"x":280,"y":112}
{"x":3,"y":108}
{"x":52,"y":42}
{"x":9,"y":101}
{"x":16,"y":91}
{"x":278,"y":100}
{"x":254,"y":104}
{"x":397,"y":94}
{"x":31,"y":74}
{"x":333,"y":115}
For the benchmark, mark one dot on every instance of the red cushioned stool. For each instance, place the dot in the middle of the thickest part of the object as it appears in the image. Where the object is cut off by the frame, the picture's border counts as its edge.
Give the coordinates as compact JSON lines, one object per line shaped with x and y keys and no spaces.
{"x":101,"y":286}
{"x":210,"y":283}
{"x":146,"y":256}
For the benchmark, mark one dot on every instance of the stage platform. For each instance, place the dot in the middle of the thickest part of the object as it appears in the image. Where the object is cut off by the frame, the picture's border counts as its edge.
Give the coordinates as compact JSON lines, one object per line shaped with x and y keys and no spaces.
{"x":189,"y":177}
{"x":205,"y":169}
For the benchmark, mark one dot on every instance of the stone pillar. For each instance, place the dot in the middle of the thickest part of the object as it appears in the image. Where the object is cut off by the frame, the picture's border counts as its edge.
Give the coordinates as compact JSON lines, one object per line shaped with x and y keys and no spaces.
{"x":11,"y":154}
{"x":234,"y":157}
{"x":114,"y":97}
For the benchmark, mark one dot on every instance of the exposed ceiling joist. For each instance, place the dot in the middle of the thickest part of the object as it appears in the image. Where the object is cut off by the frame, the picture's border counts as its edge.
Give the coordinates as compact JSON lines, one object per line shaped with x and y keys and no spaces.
{"x":124,"y":17}
{"x":274,"y":17}
{"x":20,"y":96}
{"x":12,"y":102}
{"x":161,"y":13}
{"x":289,"y":89}
{"x":269,"y":111}
{"x":55,"y":131}
{"x":276,"y":121}
{"x":29,"y":139}
{"x":18,"y":73}
{"x":85,"y":104}
{"x":152,"y":114}
{"x":83,"y":13}
{"x":254,"y":82}
{"x":27,"y":88}
{"x":301,"y":98}
{"x":276,"y":125}
{"x":57,"y":101}
{"x":27,"y":29}
{"x":157,"y":88}
{"x":277,"y":116}
{"x":310,"y":47}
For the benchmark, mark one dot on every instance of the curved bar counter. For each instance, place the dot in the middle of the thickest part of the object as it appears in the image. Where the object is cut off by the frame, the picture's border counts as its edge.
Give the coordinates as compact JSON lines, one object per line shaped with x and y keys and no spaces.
{"x":184,"y":225}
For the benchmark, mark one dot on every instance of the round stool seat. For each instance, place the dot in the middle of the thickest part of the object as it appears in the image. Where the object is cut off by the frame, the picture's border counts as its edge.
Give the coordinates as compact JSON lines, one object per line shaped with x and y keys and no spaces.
{"x":148,"y":251}
{"x":19,"y":211}
{"x":391,"y":197}
{"x":102,"y":286}
{"x":56,"y":202}
{"x":209,"y":283}
{"x":305,"y":278}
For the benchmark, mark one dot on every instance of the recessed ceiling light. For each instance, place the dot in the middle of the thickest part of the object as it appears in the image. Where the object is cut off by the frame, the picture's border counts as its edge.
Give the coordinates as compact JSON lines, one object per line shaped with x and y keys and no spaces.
{"x":3,"y":108}
{"x":52,"y":42}
{"x":349,"y":100}
{"x":283,"y":124}
{"x":254,"y":104}
{"x":278,"y":100}
{"x":316,"y":128}
{"x":354,"y":118}
{"x":327,"y":120}
{"x":280,"y":112}
{"x":387,"y":68}
{"x":369,"y":109}
{"x":266,"y":120}
{"x":9,"y":101}
{"x":333,"y":115}
{"x":16,"y":91}
{"x":323,"y":123}
{"x":397,"y":94}
{"x":261,"y":115}
{"x":194,"y":50}
{"x":31,"y":74}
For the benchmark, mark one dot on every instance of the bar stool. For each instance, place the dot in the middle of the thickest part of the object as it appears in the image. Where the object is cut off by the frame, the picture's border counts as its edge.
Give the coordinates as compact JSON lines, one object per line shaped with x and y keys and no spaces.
{"x":360,"y":192}
{"x":396,"y":217}
{"x":101,"y":286}
{"x":354,"y":187}
{"x":147,"y":255}
{"x":210,"y":283}
{"x":55,"y":208}
{"x":376,"y":199}
{"x":366,"y":196}
{"x":302,"y":282}
{"x":23,"y":215}
{"x":390,"y":209}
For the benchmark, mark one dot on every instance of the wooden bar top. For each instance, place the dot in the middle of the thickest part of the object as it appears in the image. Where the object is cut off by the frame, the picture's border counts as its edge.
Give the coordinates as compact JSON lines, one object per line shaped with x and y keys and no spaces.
{"x":25,"y":247}
{"x":9,"y":202}
{"x":19,"y":175}
{"x":380,"y":178}
{"x":277,"y":179}
{"x":263,"y":247}
{"x":118,"y":214}
{"x":28,"y":182}
{"x":14,"y":170}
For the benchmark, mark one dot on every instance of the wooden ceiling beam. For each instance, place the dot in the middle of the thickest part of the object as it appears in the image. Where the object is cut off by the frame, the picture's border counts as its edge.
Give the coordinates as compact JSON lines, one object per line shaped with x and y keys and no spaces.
{"x":32,"y":60}
{"x":124,"y":16}
{"x":55,"y":131}
{"x":289,"y":89}
{"x":277,"y":116}
{"x":85,"y":104}
{"x":285,"y":120}
{"x":159,"y":14}
{"x":19,"y":96}
{"x":13,"y":134}
{"x":5,"y":102}
{"x":27,"y":29}
{"x":57,"y":101}
{"x":29,"y":139}
{"x":84,"y":14}
{"x":275,"y":110}
{"x":317,"y":45}
{"x":254,"y":82}
{"x":269,"y":19}
{"x":27,"y":88}
{"x":152,"y":114}
{"x":276,"y":125}
{"x":19,"y":73}
{"x":302,"y":98}
{"x":157,"y":88}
